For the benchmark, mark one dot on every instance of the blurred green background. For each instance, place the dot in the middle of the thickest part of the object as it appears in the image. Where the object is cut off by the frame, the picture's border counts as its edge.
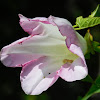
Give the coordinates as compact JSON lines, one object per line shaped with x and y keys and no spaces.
{"x":10,"y":30}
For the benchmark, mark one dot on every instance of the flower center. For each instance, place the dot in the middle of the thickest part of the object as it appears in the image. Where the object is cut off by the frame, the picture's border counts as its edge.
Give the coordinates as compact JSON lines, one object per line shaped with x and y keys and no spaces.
{"x":67,"y":61}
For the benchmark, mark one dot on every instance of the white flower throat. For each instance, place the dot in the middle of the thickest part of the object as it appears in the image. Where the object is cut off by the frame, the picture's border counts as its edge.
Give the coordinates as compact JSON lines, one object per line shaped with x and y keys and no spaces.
{"x":56,"y":44}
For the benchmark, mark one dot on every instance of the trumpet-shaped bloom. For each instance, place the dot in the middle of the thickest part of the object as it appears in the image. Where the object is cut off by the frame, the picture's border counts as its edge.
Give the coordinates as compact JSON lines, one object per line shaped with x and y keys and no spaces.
{"x":53,"y":49}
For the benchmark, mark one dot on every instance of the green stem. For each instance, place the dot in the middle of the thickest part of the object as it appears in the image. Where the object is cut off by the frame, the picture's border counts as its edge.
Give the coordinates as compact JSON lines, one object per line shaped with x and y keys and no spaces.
{"x":90,"y":80}
{"x":85,"y":97}
{"x":89,"y":95}
{"x":75,"y":26}
{"x":78,"y":28}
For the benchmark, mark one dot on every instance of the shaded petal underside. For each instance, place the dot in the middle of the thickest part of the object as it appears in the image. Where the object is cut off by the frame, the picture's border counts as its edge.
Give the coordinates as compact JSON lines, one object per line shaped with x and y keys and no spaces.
{"x":37,"y":76}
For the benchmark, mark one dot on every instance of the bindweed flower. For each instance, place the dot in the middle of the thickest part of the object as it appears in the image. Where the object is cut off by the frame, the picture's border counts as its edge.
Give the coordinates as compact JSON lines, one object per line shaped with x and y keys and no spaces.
{"x":52,"y":50}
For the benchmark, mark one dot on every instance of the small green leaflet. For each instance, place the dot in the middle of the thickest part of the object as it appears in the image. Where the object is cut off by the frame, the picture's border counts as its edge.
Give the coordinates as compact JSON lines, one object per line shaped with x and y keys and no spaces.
{"x":90,"y":21}
{"x":94,"y":12}
{"x":87,"y":22}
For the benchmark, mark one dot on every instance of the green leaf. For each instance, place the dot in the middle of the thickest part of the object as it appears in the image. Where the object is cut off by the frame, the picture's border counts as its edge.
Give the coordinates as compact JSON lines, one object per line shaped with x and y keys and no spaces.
{"x":95,"y":88}
{"x":87,"y":22}
{"x":94,"y":12}
{"x":90,"y":21}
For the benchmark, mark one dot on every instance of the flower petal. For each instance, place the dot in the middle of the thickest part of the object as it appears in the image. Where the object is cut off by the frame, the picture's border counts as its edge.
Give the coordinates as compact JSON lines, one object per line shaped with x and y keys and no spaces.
{"x":50,"y":43}
{"x":66,"y":29}
{"x":77,"y":45}
{"x":30,"y":26}
{"x":58,"y":21}
{"x":78,"y":69}
{"x":15,"y":54}
{"x":75,"y":71}
{"x":39,"y":75}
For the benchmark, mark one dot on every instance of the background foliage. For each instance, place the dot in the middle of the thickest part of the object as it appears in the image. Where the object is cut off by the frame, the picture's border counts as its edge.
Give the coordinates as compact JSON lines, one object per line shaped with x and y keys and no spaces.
{"x":10,"y":31}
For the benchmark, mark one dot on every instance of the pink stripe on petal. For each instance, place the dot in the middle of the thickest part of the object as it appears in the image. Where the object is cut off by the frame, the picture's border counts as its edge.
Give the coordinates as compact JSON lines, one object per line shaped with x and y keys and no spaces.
{"x":16,"y":60}
{"x":41,"y":19}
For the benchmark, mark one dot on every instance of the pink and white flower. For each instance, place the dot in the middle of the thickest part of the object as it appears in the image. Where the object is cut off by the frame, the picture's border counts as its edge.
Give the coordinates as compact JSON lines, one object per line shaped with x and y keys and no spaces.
{"x":52,"y":50}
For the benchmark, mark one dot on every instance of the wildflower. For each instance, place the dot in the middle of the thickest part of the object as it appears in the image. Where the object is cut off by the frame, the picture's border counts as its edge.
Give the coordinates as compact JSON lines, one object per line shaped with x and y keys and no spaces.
{"x":52,"y":50}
